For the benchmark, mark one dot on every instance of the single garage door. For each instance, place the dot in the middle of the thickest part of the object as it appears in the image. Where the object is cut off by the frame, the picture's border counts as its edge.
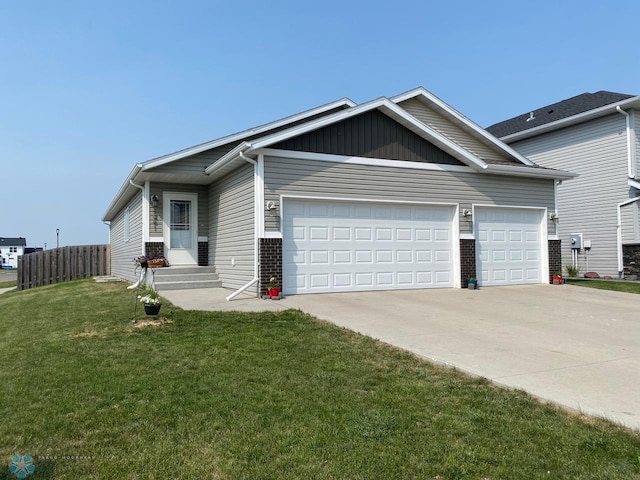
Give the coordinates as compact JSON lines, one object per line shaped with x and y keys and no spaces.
{"x":332,"y":246}
{"x":509,"y":245}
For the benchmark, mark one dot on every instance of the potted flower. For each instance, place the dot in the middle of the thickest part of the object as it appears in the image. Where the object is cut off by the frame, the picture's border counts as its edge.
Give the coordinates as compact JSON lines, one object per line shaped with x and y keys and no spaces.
{"x":158,"y":261}
{"x":273,"y":288}
{"x":142,"y":260}
{"x":151,"y":302}
{"x":472,"y":283}
{"x":557,"y":278}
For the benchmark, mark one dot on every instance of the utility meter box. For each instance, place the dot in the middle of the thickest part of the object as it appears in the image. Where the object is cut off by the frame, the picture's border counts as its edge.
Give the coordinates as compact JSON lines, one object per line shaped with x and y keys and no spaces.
{"x":586,"y":244}
{"x":576,"y":240}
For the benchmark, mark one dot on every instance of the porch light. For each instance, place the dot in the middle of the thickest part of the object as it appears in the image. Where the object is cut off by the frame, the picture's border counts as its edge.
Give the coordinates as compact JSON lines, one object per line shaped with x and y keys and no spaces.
{"x":466,"y":212}
{"x":154,"y":201}
{"x":553,"y":216}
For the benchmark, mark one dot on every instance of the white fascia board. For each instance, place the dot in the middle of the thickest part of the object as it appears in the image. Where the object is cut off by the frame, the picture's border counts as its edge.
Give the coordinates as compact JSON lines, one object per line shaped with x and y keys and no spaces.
{"x":227,"y":158}
{"x":126,"y":186}
{"x":391,"y":109}
{"x":156,"y":162}
{"x":579,"y":118}
{"x":634,"y":183}
{"x":431,"y":98}
{"x":378,"y":162}
{"x":530,"y":172}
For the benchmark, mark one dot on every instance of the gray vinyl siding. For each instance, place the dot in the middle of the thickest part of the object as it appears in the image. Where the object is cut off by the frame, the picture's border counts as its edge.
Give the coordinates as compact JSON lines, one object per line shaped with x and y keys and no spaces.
{"x":155,"y":214}
{"x":194,"y":164}
{"x":231,"y":232}
{"x":123,"y":252}
{"x":454,"y":133}
{"x":596,"y":151}
{"x":327,"y":179}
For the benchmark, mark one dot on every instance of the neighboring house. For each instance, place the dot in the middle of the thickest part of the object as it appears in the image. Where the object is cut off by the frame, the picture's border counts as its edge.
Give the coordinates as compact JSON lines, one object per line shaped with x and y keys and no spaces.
{"x":596,"y":136}
{"x":395,"y":193}
{"x":10,"y":250}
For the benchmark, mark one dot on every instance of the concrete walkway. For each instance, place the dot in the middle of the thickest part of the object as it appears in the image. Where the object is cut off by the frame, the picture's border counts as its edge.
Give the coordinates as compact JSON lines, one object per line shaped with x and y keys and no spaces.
{"x":576,"y":346}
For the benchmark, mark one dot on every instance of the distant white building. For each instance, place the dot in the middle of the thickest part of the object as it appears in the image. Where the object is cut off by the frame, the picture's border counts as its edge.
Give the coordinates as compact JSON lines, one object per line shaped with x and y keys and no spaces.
{"x":10,"y":250}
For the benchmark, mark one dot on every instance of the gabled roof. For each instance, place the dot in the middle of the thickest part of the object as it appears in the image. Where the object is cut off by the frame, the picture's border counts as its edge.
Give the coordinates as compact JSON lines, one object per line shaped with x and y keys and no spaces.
{"x":12,"y":242}
{"x":556,"y":112}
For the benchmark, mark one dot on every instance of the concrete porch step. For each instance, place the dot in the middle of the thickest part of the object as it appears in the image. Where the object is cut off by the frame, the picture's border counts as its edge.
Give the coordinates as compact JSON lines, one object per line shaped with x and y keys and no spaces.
{"x":185,"y":277}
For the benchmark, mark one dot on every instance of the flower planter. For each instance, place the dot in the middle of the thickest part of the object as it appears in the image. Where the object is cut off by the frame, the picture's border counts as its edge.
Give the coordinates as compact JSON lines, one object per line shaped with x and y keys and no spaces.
{"x":152,"y":309}
{"x":274,"y":292}
{"x":472,"y":284}
{"x":557,"y":280}
{"x":156,"y":263}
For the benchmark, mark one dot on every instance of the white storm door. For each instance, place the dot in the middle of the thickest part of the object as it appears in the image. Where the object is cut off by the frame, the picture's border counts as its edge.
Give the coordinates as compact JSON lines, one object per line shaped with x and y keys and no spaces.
{"x":509,"y":245}
{"x":340,"y":246}
{"x":180,"y":228}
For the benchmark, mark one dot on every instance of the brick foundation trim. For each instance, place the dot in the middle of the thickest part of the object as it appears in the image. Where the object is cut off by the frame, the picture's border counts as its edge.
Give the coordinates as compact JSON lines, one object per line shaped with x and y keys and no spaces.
{"x":203,"y":254}
{"x":467,"y":260}
{"x":555,"y":258}
{"x":270,"y":262}
{"x":151,"y":249}
{"x":631,"y":261}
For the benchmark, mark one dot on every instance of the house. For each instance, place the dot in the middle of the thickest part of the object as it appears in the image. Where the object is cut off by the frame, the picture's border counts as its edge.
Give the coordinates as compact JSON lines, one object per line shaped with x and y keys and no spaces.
{"x":595,"y":135}
{"x":394,"y":193}
{"x":10,"y":250}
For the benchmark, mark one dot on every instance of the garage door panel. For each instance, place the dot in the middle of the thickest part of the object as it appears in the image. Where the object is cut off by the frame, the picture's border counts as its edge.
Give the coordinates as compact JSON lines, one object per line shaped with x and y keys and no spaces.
{"x":343,"y":250}
{"x":508,"y":246}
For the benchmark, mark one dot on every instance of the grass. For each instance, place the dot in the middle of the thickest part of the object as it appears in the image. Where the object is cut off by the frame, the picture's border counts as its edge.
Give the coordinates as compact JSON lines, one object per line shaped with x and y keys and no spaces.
{"x":4,"y":274}
{"x":270,"y":395}
{"x":628,"y":287}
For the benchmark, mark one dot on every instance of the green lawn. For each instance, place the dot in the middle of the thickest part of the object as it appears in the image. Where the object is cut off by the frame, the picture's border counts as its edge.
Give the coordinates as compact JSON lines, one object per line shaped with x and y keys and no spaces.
{"x":628,"y":287}
{"x":263,"y":396}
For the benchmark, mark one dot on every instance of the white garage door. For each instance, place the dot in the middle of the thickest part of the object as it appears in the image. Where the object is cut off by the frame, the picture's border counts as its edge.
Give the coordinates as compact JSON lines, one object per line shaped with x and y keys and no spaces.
{"x":355,"y":246}
{"x":508,"y":245}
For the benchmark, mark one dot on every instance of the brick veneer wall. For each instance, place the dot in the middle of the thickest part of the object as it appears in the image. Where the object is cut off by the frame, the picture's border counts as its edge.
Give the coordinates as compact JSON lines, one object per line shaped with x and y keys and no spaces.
{"x":203,"y":254}
{"x":467,"y":260}
{"x":153,"y":248}
{"x":270,"y":261}
{"x":631,"y":260}
{"x":555,"y":258}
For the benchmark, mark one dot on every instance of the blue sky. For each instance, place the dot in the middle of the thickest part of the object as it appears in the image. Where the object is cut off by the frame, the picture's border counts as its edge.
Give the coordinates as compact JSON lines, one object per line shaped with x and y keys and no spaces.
{"x":89,"y":89}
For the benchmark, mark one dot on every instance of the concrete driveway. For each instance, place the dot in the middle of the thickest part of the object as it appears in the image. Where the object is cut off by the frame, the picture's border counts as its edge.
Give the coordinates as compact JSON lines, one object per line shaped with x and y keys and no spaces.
{"x":575,"y":346}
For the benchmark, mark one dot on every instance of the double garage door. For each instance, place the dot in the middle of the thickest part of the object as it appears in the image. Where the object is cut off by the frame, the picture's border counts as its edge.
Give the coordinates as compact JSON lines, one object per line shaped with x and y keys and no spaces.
{"x":333,"y":246}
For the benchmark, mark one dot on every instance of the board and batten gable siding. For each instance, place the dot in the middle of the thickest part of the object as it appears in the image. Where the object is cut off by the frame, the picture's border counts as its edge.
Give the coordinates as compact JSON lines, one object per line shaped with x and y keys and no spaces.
{"x":370,"y":135}
{"x":454,"y":132}
{"x":287,"y":176}
{"x":232,"y":228}
{"x":597,"y":152}
{"x":155,"y":214}
{"x":124,"y":251}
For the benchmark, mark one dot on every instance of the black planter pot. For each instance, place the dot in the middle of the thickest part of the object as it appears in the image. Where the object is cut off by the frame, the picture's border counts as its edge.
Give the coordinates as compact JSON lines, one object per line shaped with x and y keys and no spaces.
{"x":152,"y":309}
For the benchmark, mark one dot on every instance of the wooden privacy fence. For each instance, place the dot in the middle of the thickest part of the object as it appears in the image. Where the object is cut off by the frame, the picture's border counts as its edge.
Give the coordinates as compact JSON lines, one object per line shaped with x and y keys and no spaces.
{"x":63,"y":264}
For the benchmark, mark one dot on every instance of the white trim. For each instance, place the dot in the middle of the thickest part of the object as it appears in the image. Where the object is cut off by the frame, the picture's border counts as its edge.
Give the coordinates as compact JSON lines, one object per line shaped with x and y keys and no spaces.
{"x":467,"y":236}
{"x":156,"y":162}
{"x":379,"y":162}
{"x":530,"y":172}
{"x":146,"y":205}
{"x":579,"y":118}
{"x":634,"y":183}
{"x":156,"y":239}
{"x":544,"y":235}
{"x":167,"y":196}
{"x":284,"y":196}
{"x":390,"y":109}
{"x":425,"y":94}
{"x":553,"y":237}
{"x":272,"y":234}
{"x":260,"y":212}
{"x":203,"y":239}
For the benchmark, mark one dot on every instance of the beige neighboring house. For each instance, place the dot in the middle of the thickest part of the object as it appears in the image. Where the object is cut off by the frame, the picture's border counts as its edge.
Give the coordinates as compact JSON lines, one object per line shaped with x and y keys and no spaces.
{"x":597,"y":136}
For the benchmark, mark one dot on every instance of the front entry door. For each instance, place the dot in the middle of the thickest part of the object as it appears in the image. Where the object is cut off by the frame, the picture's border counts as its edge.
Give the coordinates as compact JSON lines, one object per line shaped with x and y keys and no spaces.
{"x":180,"y":228}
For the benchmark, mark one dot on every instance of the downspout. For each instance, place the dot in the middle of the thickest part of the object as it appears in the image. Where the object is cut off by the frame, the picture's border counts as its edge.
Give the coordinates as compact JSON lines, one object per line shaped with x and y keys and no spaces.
{"x":630,"y":167}
{"x":619,"y":232}
{"x":256,"y":228}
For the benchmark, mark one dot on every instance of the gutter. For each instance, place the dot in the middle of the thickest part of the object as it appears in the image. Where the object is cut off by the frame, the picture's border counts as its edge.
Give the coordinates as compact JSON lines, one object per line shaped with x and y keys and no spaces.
{"x":256,"y":222}
{"x":619,"y":233}
{"x":630,"y":170}
{"x":530,"y":172}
